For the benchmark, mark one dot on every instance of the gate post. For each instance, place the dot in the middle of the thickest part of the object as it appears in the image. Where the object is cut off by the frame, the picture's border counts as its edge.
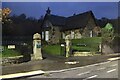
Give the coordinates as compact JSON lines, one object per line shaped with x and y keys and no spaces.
{"x":100,"y":47}
{"x":37,"y":55}
{"x":68,"y":44}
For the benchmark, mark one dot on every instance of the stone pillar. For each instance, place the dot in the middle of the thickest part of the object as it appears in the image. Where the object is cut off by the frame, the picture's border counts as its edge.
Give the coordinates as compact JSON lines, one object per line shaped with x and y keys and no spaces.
{"x":37,"y":55}
{"x":68,"y":42}
{"x":100,"y":47}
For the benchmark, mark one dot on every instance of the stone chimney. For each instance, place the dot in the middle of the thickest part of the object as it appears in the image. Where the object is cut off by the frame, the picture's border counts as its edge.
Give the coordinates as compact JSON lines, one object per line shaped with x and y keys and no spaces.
{"x":74,"y":14}
{"x":48,"y":11}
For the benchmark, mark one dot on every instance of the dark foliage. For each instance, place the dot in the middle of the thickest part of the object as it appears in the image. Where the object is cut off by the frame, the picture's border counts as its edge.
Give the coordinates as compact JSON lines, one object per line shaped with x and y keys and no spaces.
{"x":21,"y":26}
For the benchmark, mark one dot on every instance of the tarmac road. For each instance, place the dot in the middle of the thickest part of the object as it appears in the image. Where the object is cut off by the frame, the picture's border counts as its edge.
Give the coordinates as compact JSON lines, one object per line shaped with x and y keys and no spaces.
{"x":53,"y":63}
{"x":106,"y":70}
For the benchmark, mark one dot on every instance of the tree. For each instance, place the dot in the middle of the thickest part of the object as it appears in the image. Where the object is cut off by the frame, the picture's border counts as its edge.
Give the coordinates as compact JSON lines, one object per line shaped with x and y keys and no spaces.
{"x":107,"y":33}
{"x":107,"y":38}
{"x":19,"y":25}
{"x":6,"y":21}
{"x":5,"y":15}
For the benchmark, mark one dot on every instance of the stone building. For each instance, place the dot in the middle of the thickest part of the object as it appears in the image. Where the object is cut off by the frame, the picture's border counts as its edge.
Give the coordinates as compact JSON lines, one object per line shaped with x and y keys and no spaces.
{"x":79,"y":25}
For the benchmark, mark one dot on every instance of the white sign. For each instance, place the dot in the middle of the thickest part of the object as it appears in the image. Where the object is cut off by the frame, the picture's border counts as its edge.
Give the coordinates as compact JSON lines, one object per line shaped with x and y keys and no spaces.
{"x":11,"y":46}
{"x":62,"y":45}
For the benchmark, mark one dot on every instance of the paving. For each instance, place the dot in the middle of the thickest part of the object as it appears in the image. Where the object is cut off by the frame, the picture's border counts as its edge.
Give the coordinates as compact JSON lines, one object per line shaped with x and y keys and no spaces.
{"x":50,"y":63}
{"x":24,"y":74}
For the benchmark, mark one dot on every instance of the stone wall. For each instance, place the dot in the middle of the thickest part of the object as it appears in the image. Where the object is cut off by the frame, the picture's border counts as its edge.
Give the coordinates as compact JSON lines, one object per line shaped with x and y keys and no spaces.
{"x":83,"y":53}
{"x":55,"y":35}
{"x":75,"y":34}
{"x":88,"y":30}
{"x":12,"y":60}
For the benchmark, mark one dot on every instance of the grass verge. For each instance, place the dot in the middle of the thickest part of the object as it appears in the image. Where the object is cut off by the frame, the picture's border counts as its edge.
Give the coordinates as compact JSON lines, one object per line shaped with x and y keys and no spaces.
{"x":9,"y":53}
{"x":52,"y":49}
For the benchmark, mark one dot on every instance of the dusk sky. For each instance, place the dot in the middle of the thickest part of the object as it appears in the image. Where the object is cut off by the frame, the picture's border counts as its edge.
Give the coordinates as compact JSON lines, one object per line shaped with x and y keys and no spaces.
{"x":36,"y":9}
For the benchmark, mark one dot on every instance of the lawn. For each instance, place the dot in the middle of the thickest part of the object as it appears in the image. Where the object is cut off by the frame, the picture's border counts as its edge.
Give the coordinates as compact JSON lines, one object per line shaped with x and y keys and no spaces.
{"x":91,"y":45}
{"x":9,"y":53}
{"x":52,"y":49}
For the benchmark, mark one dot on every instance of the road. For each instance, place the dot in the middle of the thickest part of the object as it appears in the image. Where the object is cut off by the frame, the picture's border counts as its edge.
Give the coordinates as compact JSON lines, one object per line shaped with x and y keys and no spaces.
{"x":107,"y":69}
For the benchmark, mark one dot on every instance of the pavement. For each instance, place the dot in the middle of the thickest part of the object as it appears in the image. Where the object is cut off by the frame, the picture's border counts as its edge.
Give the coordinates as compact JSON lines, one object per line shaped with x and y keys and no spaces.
{"x":52,"y":63}
{"x":24,"y":74}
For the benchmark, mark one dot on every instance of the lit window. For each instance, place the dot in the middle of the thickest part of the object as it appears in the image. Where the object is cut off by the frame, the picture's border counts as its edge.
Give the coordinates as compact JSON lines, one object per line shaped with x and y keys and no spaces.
{"x":46,"y":35}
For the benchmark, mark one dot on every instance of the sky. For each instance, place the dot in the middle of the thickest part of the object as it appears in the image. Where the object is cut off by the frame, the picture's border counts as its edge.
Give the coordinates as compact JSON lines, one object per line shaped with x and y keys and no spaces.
{"x":37,"y":9}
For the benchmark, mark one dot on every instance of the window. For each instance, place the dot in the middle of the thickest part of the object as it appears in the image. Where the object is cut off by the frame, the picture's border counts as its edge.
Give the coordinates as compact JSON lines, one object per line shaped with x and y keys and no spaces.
{"x":91,"y":34}
{"x":46,"y":35}
{"x":42,"y":35}
{"x":72,"y":34}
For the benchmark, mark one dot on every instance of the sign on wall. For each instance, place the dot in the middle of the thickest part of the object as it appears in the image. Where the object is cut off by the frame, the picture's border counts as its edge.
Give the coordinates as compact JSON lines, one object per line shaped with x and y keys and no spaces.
{"x":38,"y":45}
{"x":11,"y":46}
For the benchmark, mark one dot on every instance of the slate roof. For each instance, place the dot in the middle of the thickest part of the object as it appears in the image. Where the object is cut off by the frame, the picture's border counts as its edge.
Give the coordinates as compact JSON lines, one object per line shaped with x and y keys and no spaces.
{"x":72,"y":22}
{"x":78,"y":21}
{"x":56,"y":20}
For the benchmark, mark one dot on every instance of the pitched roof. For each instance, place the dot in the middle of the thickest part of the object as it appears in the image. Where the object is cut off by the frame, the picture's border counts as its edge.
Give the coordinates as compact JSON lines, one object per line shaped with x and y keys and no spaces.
{"x":78,"y":21}
{"x":72,"y":22}
{"x":56,"y":20}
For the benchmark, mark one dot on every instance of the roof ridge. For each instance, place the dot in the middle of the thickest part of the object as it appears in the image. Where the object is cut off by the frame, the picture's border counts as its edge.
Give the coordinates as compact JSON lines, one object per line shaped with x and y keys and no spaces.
{"x":57,"y":15}
{"x":90,"y":11}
